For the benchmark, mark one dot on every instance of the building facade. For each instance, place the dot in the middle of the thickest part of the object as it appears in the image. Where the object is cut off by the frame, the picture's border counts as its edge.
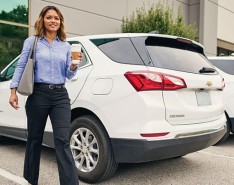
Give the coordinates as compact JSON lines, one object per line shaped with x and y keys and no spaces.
{"x":85,"y":17}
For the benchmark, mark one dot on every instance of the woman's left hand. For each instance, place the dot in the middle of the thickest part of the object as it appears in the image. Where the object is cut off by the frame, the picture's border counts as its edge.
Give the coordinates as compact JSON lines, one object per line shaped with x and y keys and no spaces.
{"x":74,"y":66}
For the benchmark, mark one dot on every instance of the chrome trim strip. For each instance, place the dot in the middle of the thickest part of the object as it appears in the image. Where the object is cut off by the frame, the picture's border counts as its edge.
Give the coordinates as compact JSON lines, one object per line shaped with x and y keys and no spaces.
{"x":199,"y":133}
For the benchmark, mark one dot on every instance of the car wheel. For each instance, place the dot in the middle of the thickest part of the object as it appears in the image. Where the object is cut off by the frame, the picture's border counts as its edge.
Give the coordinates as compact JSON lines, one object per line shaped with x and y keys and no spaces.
{"x":2,"y":138}
{"x":225,"y":137}
{"x":91,"y":150}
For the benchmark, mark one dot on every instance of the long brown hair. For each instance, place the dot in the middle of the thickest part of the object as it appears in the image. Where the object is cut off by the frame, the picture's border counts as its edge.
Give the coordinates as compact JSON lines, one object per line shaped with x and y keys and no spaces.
{"x":39,"y":24}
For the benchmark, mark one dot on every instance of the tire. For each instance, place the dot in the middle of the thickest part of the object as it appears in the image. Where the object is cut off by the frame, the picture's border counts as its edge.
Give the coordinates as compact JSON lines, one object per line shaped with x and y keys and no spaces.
{"x":93,"y":154}
{"x":225,"y":137}
{"x":3,"y":138}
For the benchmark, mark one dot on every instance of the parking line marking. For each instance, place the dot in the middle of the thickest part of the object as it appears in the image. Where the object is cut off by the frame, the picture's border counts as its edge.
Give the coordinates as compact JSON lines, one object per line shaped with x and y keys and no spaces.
{"x":13,"y":177}
{"x":217,"y":155}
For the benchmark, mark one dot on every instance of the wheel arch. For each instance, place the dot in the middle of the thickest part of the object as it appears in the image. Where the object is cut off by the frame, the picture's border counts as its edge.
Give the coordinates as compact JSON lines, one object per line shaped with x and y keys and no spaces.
{"x":80,"y":111}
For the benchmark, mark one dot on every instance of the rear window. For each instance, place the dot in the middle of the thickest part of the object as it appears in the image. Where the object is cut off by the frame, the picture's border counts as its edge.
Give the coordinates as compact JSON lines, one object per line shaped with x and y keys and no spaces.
{"x":176,"y":54}
{"x":225,"y":65}
{"x":120,"y":50}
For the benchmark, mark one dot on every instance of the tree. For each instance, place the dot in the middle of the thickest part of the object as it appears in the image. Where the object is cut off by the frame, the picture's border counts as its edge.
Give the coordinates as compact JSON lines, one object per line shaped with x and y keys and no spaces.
{"x":18,"y":14}
{"x":12,"y":37}
{"x":158,"y":18}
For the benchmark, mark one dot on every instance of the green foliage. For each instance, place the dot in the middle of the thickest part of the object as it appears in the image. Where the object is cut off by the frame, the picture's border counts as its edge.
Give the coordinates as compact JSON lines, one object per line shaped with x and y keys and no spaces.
{"x":7,"y":55}
{"x":11,"y":42}
{"x":158,"y":18}
{"x":18,"y":14}
{"x":12,"y":37}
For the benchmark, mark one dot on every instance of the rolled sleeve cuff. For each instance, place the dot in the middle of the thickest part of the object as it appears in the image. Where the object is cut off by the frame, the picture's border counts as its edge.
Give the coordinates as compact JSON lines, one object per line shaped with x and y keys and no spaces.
{"x":70,"y":73}
{"x":14,"y":85}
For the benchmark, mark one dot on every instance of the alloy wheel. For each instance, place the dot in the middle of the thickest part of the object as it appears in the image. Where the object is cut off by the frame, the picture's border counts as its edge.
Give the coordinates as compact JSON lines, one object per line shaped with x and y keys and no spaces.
{"x":85,"y":149}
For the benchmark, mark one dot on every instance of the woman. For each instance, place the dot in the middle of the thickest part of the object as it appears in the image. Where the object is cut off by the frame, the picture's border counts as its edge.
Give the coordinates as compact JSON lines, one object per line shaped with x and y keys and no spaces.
{"x":50,"y":97}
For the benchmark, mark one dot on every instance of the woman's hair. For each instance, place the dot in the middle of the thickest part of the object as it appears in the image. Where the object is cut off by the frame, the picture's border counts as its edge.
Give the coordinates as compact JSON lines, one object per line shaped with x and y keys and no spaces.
{"x":39,"y":24}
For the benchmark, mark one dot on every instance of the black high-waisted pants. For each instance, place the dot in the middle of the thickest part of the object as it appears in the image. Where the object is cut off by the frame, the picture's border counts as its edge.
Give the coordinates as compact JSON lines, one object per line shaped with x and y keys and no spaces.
{"x":54,"y":103}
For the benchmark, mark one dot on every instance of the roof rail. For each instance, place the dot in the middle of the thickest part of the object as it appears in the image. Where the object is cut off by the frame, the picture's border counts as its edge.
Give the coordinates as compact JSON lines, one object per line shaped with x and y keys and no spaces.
{"x":154,"y":32}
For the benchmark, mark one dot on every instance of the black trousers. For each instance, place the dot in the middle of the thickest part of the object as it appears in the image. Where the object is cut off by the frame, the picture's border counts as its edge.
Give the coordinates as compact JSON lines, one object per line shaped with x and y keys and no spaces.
{"x":54,"y":103}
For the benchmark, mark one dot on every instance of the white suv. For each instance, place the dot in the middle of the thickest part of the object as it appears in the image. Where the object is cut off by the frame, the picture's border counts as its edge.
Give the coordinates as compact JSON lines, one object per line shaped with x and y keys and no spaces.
{"x":136,"y":98}
{"x":225,"y":67}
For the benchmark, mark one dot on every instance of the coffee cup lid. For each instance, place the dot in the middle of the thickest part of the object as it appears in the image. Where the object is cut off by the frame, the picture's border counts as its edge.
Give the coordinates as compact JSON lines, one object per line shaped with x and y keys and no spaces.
{"x":76,"y":47}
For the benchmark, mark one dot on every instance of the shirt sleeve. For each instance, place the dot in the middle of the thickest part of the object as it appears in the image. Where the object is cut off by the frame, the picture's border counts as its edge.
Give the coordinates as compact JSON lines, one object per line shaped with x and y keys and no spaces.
{"x":69,"y":73}
{"x":21,"y":62}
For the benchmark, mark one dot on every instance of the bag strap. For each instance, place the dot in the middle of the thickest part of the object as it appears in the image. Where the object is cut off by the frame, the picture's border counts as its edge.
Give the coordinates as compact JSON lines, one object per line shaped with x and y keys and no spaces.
{"x":33,"y":49}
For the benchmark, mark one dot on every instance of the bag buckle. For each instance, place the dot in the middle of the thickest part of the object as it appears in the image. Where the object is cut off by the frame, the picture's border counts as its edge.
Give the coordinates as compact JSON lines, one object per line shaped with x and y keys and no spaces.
{"x":51,"y":86}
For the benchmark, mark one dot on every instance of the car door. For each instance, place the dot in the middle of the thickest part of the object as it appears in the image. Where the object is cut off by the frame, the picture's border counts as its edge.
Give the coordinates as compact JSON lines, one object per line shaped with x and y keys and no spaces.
{"x":75,"y":85}
{"x":12,"y":122}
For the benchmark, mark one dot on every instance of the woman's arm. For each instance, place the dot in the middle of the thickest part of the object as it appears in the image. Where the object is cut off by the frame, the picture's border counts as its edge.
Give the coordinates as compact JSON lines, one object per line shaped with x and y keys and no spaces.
{"x":19,"y":71}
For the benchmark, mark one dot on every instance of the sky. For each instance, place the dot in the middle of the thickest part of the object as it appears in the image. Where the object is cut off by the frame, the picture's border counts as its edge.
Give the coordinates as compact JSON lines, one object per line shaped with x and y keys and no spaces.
{"x":8,"y":5}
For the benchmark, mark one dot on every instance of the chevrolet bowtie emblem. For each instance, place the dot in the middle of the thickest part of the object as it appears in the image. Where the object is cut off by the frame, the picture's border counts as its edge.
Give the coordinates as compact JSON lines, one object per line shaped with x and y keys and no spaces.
{"x":209,"y":83}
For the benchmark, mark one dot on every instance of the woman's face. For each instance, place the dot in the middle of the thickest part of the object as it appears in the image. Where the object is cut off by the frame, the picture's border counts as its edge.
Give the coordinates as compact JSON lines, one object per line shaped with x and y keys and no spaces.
{"x":51,"y":21}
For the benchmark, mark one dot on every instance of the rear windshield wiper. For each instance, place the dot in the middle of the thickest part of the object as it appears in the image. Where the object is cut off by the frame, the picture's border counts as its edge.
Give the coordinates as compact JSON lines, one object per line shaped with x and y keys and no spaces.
{"x":207,"y":70}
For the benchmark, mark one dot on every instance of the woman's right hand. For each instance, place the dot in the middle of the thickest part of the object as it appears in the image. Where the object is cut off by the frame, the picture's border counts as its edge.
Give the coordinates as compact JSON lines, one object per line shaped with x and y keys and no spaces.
{"x":14,"y":99}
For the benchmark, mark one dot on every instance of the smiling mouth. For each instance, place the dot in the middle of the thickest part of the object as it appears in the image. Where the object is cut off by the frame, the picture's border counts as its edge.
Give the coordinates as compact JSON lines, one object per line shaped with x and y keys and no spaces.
{"x":53,"y":26}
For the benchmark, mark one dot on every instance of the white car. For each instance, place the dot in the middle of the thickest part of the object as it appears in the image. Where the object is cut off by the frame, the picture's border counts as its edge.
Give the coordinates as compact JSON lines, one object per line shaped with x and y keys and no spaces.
{"x":135,"y":98}
{"x":225,"y":67}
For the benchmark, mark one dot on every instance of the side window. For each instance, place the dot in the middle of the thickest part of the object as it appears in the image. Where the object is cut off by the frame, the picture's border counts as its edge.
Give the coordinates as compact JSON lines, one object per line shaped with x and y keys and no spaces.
{"x":8,"y":73}
{"x":119,"y":50}
{"x":85,"y":59}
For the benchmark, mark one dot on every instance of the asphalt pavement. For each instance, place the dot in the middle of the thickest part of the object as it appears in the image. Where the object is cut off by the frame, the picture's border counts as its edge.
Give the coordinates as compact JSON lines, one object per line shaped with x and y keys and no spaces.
{"x":211,"y":166}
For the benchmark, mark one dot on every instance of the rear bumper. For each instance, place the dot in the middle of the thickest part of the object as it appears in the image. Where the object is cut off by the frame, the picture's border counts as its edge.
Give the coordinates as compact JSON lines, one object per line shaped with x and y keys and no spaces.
{"x":135,"y":151}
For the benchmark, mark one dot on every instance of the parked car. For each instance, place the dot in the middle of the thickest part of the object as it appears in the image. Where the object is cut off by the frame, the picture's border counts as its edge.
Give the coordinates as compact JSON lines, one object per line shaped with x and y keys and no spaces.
{"x":135,"y":98}
{"x":225,"y":67}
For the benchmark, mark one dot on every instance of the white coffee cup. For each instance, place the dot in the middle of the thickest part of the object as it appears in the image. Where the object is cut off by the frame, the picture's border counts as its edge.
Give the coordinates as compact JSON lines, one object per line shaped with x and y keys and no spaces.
{"x":75,"y":50}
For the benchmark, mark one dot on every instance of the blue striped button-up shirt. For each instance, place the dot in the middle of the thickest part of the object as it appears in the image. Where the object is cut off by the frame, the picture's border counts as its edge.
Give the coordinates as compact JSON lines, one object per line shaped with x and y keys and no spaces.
{"x":52,"y":61}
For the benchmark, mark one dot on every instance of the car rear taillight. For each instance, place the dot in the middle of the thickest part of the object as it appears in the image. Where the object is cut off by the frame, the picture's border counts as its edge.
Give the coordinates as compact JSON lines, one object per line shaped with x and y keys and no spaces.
{"x":223,"y":84}
{"x":149,"y":80}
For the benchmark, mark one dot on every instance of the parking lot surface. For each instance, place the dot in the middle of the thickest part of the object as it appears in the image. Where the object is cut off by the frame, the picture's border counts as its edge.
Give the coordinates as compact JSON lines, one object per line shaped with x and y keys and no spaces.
{"x":214,"y":165}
